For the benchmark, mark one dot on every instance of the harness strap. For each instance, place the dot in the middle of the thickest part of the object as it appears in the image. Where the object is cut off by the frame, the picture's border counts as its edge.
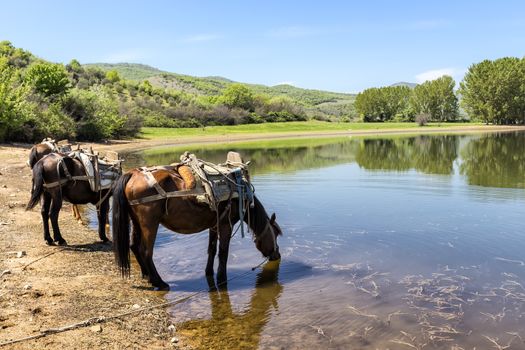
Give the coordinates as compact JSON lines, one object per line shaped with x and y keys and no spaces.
{"x":152,"y":182}
{"x":268,"y":228}
{"x":172,"y":194}
{"x":64,"y":181}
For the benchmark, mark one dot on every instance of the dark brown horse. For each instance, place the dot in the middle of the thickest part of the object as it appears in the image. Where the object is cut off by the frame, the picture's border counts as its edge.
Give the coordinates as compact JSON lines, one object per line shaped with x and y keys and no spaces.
{"x":57,"y":177}
{"x":40,"y":150}
{"x":183,"y":215}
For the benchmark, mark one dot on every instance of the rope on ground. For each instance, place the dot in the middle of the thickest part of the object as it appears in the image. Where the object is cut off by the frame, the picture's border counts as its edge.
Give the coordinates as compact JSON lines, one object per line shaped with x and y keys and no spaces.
{"x":42,"y":257}
{"x":103,"y":319}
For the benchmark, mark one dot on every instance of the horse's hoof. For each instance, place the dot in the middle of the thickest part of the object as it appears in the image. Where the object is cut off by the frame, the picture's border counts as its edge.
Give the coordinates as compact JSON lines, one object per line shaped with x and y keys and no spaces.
{"x":105,"y":240}
{"x":163,"y":288}
{"x":61,"y":241}
{"x":49,"y":242}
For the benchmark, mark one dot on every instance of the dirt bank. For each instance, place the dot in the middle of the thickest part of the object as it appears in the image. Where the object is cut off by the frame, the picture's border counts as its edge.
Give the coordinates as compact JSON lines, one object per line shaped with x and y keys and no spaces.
{"x":68,"y":286}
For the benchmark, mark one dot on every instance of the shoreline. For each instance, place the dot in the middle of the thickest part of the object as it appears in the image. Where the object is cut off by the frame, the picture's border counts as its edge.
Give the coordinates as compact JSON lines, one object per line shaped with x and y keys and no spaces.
{"x":140,"y":144}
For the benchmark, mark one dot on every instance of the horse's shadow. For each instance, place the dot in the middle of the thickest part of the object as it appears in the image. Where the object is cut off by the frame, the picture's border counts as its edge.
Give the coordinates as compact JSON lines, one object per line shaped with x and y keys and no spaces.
{"x":89,"y":247}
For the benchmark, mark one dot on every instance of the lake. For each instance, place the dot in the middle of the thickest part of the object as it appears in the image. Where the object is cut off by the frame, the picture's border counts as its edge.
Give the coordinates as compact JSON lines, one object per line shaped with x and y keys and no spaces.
{"x":405,"y":242}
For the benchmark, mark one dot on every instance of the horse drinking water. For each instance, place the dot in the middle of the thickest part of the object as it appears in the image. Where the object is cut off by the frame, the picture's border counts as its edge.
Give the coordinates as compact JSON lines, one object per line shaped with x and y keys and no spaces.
{"x":151,"y":196}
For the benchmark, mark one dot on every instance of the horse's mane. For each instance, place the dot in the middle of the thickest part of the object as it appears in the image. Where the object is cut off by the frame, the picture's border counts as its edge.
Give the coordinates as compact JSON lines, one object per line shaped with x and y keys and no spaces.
{"x":258,"y":218}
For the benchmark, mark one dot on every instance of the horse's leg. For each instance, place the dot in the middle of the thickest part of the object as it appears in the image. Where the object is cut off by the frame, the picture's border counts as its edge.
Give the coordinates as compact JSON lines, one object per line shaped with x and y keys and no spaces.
{"x":76,"y":214}
{"x":212,"y":251}
{"x":102,"y":214}
{"x":56,"y":205}
{"x":45,"y":204}
{"x":135,"y":248}
{"x":149,"y":233}
{"x":224,"y":247}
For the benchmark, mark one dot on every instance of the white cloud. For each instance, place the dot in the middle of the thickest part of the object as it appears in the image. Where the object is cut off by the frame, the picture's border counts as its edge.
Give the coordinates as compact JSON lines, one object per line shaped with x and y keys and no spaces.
{"x":200,"y":38}
{"x":437,"y":73}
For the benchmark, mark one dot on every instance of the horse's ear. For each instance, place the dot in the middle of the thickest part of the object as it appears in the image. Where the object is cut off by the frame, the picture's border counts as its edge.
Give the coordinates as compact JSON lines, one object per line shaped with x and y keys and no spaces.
{"x":272,"y":219}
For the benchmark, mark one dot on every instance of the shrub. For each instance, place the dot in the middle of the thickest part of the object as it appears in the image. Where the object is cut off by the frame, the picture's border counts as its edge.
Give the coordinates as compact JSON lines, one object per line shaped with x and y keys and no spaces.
{"x":422,"y":119}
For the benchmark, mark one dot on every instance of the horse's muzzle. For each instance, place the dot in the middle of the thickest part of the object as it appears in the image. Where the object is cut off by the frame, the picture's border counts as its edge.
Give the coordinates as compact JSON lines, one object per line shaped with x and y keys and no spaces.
{"x":275,"y":255}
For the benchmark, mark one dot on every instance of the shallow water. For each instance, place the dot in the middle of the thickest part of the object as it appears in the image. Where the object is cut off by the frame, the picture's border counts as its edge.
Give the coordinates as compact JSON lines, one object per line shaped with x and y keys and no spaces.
{"x":398,"y":243}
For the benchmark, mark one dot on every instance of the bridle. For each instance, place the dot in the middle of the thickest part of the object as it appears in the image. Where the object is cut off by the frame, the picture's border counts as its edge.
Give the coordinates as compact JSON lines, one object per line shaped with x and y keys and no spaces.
{"x":267,"y":228}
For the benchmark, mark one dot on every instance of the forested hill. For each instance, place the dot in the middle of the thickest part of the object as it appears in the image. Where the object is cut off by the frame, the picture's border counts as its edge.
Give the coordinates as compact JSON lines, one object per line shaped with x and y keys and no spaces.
{"x":214,"y":86}
{"x":39,"y":98}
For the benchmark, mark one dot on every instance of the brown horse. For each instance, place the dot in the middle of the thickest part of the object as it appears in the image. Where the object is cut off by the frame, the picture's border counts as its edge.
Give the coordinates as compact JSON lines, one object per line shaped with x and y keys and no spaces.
{"x":57,"y":177}
{"x":40,"y":150}
{"x":183,"y":215}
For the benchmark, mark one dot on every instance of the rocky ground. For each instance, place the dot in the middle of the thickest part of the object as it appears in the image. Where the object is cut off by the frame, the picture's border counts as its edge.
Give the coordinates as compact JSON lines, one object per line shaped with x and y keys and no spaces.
{"x":68,"y":284}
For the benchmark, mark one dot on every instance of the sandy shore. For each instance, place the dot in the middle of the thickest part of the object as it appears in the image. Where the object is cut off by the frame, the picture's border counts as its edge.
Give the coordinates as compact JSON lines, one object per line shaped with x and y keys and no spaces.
{"x":80,"y":282}
{"x":68,"y":286}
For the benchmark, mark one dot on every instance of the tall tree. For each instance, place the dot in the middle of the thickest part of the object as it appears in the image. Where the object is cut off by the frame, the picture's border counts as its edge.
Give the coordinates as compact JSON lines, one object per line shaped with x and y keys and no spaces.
{"x":494,"y":91}
{"x":436,"y":98}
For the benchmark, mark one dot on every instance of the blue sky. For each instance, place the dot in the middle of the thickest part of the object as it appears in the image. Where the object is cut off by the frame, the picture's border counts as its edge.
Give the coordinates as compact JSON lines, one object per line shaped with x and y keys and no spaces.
{"x":332,"y":45}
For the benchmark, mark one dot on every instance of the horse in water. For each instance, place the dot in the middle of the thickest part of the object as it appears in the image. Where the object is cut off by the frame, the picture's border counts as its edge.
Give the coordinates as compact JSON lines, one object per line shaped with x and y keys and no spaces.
{"x":42,"y":149}
{"x":182,"y":214}
{"x":57,"y":177}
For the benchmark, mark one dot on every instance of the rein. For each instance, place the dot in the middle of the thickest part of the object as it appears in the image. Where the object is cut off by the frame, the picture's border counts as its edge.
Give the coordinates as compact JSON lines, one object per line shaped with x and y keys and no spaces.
{"x":268,"y":228}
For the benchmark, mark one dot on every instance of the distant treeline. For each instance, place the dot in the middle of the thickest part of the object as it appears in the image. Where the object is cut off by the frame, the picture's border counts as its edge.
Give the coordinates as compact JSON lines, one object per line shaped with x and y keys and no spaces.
{"x":39,"y":99}
{"x":491,"y":92}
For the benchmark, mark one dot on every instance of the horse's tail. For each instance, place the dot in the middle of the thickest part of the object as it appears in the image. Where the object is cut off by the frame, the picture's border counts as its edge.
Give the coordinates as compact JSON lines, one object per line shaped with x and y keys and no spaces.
{"x":33,"y":157}
{"x":38,"y":185}
{"x":121,"y":219}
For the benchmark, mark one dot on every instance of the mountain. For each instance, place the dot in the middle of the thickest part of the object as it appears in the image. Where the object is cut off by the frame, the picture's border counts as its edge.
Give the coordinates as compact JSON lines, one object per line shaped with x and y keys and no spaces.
{"x":404,"y":83}
{"x":215,"y":85}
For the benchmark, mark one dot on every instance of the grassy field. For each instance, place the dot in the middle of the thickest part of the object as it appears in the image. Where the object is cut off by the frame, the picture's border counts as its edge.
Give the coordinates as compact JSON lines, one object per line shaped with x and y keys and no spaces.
{"x":289,"y":127}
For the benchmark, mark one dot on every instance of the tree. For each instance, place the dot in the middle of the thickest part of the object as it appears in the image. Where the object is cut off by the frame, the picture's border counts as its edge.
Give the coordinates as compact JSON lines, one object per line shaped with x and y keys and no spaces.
{"x":113,"y":76}
{"x":494,"y":91}
{"x":15,"y":108}
{"x":238,"y":96}
{"x":383,"y":104}
{"x":436,"y":98}
{"x":49,"y":79}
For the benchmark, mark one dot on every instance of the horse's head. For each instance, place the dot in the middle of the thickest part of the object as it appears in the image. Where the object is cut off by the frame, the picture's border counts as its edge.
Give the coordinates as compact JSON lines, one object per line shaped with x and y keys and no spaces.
{"x":266,"y":239}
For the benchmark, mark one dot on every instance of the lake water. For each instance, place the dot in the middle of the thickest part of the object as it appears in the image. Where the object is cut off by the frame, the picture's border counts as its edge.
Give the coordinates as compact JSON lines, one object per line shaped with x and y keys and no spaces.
{"x":389,"y":243}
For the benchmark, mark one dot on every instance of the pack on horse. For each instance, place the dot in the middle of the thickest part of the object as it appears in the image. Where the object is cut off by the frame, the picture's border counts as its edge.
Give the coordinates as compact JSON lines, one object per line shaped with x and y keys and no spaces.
{"x":57,"y":177}
{"x":48,"y":145}
{"x":173,"y":196}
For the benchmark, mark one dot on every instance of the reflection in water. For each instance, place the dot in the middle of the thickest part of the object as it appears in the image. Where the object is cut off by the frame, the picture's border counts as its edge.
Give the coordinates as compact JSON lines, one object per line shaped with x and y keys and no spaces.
{"x":428,"y":154}
{"x":495,"y":161}
{"x":490,"y":160}
{"x":229,"y":330}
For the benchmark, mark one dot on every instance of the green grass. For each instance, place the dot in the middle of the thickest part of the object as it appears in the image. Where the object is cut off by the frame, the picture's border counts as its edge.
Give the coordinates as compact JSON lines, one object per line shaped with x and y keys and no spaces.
{"x":289,"y":127}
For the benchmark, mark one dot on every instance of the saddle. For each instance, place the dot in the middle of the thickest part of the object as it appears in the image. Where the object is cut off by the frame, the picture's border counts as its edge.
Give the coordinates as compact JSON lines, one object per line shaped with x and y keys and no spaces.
{"x":62,"y":146}
{"x":209,"y":183}
{"x":101,"y":170}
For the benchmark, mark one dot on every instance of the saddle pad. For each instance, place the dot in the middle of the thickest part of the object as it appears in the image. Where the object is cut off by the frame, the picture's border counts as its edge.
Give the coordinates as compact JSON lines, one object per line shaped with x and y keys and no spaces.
{"x":88,"y":167}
